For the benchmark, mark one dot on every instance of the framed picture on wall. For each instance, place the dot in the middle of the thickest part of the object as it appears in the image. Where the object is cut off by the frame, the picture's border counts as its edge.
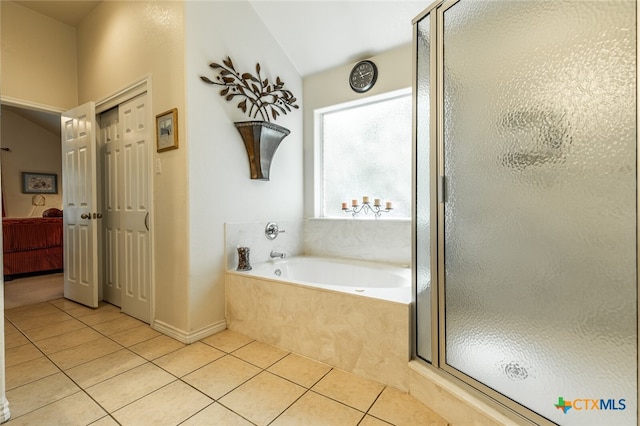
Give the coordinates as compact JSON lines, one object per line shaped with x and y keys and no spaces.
{"x":167,"y":130}
{"x":39,"y":183}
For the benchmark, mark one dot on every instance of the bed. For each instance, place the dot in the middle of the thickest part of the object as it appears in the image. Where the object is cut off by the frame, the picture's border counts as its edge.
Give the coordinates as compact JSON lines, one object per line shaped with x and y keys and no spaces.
{"x":32,"y":245}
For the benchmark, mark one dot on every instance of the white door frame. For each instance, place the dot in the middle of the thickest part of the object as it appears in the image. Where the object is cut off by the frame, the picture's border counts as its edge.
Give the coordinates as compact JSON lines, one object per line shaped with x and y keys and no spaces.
{"x":5,"y":413}
{"x":15,"y":102}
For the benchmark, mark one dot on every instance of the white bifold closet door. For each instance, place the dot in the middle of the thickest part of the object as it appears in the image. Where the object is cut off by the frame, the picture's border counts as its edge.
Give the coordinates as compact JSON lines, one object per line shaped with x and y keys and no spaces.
{"x":125,"y":145}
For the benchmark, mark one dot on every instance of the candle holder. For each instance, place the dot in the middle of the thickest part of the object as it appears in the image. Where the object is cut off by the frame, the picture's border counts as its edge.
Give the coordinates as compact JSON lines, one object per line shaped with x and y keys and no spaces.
{"x":367,"y":208}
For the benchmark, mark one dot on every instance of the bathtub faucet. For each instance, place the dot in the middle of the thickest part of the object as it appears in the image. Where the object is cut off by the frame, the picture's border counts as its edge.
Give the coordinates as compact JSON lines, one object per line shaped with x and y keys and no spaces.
{"x":275,"y":254}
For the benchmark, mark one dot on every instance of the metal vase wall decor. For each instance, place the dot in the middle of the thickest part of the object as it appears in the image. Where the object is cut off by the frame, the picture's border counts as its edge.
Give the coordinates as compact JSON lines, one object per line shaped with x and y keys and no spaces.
{"x":258,"y":97}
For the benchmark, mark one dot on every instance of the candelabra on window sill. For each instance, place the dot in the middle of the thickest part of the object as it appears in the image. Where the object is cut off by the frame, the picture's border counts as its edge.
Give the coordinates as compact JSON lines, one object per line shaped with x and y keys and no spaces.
{"x":366,"y":207}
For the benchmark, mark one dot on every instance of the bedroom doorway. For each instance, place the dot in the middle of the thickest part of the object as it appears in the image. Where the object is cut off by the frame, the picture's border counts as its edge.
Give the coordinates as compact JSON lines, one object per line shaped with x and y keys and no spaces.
{"x":30,"y":143}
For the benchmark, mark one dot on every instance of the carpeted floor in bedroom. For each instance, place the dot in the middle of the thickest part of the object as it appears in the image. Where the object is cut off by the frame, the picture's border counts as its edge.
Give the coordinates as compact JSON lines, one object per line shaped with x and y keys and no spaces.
{"x":27,"y":290}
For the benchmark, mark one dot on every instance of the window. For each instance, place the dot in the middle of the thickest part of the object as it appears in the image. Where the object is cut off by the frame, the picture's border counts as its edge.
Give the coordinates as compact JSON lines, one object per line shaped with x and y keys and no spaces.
{"x":365,"y":150}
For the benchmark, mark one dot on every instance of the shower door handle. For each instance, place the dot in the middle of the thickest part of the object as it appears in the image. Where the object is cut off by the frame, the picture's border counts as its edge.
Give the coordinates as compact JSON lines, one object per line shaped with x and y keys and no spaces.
{"x":146,"y":221}
{"x":441,"y":187}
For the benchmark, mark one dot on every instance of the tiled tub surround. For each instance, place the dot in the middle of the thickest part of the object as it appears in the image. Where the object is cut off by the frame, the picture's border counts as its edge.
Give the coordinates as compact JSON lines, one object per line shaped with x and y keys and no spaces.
{"x":251,"y":234}
{"x":387,"y":241}
{"x":380,"y":240}
{"x":362,"y":335}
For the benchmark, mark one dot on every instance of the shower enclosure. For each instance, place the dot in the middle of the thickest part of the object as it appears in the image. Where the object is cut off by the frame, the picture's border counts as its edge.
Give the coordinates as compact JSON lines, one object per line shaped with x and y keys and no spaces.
{"x":526,"y":204}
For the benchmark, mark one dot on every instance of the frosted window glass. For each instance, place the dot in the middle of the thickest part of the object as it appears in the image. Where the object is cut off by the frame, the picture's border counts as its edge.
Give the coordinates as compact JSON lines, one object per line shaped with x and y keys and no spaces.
{"x":423,"y":249}
{"x":366,"y":151}
{"x":540,"y":214}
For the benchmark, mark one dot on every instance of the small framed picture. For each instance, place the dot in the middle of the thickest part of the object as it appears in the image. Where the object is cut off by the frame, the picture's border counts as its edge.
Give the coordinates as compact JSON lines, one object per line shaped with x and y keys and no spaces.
{"x":167,"y":130}
{"x":39,"y":183}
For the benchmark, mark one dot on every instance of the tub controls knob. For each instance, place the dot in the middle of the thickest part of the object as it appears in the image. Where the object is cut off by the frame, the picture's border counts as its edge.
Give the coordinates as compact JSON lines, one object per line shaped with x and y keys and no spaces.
{"x":271,"y":231}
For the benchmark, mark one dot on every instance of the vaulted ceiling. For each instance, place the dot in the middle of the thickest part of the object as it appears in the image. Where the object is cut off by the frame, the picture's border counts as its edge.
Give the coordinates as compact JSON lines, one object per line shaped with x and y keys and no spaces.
{"x":69,"y":12}
{"x":315,"y":34}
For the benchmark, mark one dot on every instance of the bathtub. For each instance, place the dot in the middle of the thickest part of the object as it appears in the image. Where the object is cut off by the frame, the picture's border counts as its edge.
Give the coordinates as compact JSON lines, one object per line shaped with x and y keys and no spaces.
{"x":378,"y":280}
{"x":353,"y":315}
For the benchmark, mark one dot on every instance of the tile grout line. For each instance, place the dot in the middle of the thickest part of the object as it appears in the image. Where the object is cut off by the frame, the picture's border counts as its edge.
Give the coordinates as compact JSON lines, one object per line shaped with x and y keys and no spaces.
{"x":374,"y":403}
{"x":307,"y":389}
{"x":262,"y":370}
{"x":217,"y":400}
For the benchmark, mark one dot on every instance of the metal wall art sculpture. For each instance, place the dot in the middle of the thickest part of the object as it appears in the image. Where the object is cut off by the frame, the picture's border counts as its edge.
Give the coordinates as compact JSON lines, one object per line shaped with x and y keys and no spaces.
{"x":256,"y":96}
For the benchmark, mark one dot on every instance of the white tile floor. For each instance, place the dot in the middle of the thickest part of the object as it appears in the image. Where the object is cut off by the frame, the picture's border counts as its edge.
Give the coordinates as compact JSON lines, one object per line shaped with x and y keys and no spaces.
{"x":70,"y":365}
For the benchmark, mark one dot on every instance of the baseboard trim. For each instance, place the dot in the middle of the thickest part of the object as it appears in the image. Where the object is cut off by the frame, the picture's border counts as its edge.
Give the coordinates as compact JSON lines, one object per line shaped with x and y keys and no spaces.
{"x":189,"y":337}
{"x":4,"y":411}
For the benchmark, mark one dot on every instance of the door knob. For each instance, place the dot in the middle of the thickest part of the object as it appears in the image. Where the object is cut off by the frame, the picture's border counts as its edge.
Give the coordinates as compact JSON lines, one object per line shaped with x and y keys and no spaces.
{"x":85,"y":216}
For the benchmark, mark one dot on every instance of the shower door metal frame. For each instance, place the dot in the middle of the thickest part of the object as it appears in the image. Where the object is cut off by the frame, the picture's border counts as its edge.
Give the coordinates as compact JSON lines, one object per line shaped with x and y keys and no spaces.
{"x":511,"y":408}
{"x":433,"y":177}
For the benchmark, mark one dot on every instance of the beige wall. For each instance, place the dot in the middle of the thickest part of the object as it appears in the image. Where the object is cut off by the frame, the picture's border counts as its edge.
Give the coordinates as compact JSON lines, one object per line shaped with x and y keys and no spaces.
{"x":118,"y":43}
{"x":38,"y":58}
{"x":331,"y":87}
{"x":219,"y":179}
{"x":33,"y":149}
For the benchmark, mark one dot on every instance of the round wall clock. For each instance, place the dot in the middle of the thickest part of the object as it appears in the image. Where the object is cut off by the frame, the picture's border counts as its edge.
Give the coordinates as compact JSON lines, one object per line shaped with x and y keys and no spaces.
{"x":363,"y":76}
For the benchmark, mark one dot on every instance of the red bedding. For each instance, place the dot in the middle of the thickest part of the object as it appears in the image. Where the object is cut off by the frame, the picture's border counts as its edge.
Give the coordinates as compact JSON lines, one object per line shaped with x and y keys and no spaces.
{"x":32,"y":244}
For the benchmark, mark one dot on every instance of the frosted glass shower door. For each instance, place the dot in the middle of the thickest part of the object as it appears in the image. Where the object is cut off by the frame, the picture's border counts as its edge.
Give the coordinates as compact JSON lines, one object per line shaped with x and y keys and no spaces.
{"x":539,"y":227}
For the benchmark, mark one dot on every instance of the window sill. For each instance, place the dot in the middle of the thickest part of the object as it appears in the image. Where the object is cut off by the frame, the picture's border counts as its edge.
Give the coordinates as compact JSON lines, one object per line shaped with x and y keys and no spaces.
{"x":361,"y":219}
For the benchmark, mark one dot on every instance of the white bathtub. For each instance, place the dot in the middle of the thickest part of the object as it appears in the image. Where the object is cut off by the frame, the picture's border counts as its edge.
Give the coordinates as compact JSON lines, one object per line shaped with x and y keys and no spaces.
{"x":378,"y":280}
{"x":318,"y":307}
